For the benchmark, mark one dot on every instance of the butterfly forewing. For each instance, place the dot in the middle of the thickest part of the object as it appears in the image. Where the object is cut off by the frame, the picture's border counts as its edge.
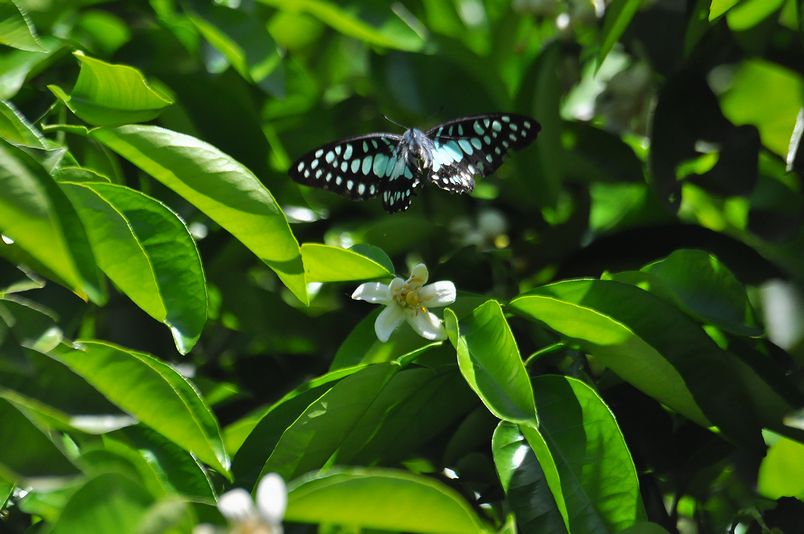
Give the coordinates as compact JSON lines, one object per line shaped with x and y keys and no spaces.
{"x":355,"y":167}
{"x":476,"y":146}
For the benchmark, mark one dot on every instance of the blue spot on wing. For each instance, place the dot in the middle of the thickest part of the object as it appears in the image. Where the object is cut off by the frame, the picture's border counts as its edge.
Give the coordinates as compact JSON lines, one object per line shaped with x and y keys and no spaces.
{"x":355,"y":167}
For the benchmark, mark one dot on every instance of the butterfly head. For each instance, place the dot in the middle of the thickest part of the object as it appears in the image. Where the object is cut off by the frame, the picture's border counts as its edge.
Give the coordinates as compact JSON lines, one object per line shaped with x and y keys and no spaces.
{"x":419,"y":149}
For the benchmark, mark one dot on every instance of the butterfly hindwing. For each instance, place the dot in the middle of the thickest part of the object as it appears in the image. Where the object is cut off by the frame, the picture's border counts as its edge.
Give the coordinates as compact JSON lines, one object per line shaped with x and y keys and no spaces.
{"x":476,"y":146}
{"x":356,"y":168}
{"x":400,"y":185}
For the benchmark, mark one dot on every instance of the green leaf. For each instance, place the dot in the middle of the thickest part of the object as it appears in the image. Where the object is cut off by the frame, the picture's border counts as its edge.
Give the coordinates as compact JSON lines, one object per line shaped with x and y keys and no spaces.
{"x":781,"y":473}
{"x":240,"y":37}
{"x":268,"y":426}
{"x":362,"y":345}
{"x":71,"y":173}
{"x":718,"y":7}
{"x":702,"y":286}
{"x":220,"y":187}
{"x":54,"y":395}
{"x":490,"y":362}
{"x":177,"y":470}
{"x":107,"y":503}
{"x":320,"y":429}
{"x":656,"y":348}
{"x":751,"y":12}
{"x":768,"y":96}
{"x":581,"y":431}
{"x":28,"y":453}
{"x":18,"y":65}
{"x":162,"y":271}
{"x":540,"y":92}
{"x":344,"y":21}
{"x":524,"y":482}
{"x":375,"y":253}
{"x":30,"y":324}
{"x":109,"y":95}
{"x":15,"y":128}
{"x":618,"y":17}
{"x":325,"y":263}
{"x":381,"y":499}
{"x":32,"y":206}
{"x":16,"y":28}
{"x":153,"y":392}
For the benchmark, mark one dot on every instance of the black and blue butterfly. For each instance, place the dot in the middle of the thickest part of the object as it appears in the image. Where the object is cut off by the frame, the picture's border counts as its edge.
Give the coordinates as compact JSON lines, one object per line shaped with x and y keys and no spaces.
{"x":392,"y":166}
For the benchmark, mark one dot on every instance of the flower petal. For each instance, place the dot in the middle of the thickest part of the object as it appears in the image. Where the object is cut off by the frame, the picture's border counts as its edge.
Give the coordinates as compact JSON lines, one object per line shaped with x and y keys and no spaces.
{"x":427,"y":325}
{"x":437,"y":294}
{"x":236,"y":505}
{"x":373,"y":292}
{"x":272,"y":498}
{"x":418,"y":276}
{"x":387,"y":321}
{"x":396,"y":286}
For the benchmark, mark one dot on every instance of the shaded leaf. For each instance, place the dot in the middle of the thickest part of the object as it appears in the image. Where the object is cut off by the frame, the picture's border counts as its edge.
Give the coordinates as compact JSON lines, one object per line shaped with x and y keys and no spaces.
{"x":657,"y":349}
{"x":524,"y":482}
{"x":240,"y":37}
{"x":107,"y":503}
{"x":598,"y":476}
{"x":704,"y":287}
{"x":28,"y":452}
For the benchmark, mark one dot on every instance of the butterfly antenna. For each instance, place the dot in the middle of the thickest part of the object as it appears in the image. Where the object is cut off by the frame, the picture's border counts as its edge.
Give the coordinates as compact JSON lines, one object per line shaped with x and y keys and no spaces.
{"x":392,"y":121}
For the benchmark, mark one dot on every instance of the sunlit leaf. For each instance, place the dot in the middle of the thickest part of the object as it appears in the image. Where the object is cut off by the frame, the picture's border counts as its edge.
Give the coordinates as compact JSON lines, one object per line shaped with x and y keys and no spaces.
{"x":781,"y":473}
{"x":769,"y":96}
{"x":162,"y":271}
{"x":380,"y":499}
{"x":154,"y":393}
{"x":14,"y":127}
{"x":718,"y":7}
{"x":33,"y":206}
{"x":16,"y":28}
{"x":325,"y":263}
{"x":220,"y":187}
{"x":344,"y":21}
{"x":106,"y":94}
{"x":18,"y":65}
{"x":618,"y":16}
{"x":490,"y":362}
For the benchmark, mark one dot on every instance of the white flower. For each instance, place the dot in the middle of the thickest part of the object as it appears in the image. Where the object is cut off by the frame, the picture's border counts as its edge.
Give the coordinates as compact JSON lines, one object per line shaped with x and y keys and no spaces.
{"x":408,"y":300}
{"x":246,"y":518}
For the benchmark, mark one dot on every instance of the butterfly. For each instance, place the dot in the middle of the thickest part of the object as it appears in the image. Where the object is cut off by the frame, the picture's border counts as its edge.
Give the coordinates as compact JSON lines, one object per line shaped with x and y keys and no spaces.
{"x":393,"y":166}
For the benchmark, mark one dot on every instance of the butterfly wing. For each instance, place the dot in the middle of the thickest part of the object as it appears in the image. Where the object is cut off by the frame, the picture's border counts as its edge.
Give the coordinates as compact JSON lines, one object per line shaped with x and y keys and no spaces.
{"x":400,"y":185}
{"x":475,"y":146}
{"x":356,"y":167}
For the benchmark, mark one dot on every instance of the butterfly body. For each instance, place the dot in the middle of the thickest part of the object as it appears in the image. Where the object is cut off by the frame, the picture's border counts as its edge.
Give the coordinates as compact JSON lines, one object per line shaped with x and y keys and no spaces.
{"x":449,"y":156}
